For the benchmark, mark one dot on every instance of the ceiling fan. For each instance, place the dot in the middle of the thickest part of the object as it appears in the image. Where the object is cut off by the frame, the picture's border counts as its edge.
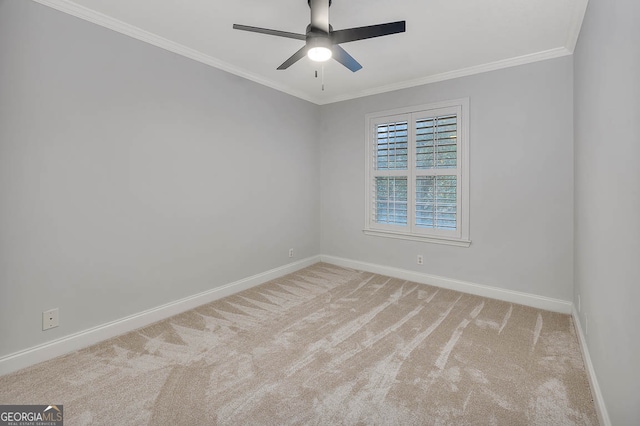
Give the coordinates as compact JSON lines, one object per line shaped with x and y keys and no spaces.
{"x":322,"y":42}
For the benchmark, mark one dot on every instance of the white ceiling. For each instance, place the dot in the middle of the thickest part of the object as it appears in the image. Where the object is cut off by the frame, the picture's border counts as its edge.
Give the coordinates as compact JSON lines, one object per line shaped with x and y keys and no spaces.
{"x":444,"y":38}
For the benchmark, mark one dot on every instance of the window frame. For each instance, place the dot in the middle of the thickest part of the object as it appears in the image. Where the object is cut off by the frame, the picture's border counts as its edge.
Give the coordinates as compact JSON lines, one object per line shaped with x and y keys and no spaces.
{"x":458,"y":237}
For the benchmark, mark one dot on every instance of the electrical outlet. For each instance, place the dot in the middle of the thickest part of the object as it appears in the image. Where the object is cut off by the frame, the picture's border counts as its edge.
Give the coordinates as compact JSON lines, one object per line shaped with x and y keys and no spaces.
{"x":420,"y":259}
{"x":290,"y":252}
{"x":50,"y":319}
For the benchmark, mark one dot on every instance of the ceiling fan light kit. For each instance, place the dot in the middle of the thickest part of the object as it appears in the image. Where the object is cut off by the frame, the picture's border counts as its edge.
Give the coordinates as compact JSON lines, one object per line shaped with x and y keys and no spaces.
{"x":322,"y":42}
{"x":319,"y":49}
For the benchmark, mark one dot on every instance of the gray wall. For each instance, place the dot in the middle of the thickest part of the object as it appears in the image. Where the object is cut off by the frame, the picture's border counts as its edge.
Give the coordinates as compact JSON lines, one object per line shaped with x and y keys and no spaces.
{"x":607,"y":200}
{"x":131,"y":177}
{"x":521,"y":151}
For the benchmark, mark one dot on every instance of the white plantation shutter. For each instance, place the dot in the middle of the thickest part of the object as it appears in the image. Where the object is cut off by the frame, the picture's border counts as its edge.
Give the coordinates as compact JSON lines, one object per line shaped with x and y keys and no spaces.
{"x":392,"y":146}
{"x":391,"y":162}
{"x":391,"y":200}
{"x":436,"y":195}
{"x":417,"y":172}
{"x":436,"y":142}
{"x":436,"y":202}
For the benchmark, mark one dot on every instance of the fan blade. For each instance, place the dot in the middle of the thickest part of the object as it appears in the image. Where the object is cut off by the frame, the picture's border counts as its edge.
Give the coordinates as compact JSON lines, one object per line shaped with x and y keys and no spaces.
{"x":320,"y":15}
{"x":294,"y":58}
{"x":341,"y":55}
{"x":361,"y":33}
{"x":269,"y":32}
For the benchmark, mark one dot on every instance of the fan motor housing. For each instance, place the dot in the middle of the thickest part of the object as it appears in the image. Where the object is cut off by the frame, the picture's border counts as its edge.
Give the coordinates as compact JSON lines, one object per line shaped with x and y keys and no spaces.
{"x":309,"y":3}
{"x":315,"y":33}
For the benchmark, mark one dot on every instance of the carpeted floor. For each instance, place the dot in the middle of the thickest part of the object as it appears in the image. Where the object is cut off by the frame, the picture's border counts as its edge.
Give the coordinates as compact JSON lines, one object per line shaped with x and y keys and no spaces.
{"x":326,"y":345}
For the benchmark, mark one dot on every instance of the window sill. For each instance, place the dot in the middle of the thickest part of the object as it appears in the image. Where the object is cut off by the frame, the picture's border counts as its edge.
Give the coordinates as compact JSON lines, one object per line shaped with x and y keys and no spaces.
{"x":413,"y":237}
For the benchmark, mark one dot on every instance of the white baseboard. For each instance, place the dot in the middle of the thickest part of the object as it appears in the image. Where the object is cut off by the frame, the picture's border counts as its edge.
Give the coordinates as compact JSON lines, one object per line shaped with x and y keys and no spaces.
{"x":526,"y":299}
{"x":76,"y":341}
{"x":83,"y":339}
{"x":73,"y":342}
{"x":541,"y":302}
{"x":601,"y":408}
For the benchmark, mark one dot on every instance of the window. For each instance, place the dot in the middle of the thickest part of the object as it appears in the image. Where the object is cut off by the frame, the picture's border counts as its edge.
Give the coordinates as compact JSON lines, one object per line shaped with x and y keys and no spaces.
{"x":417,"y":173}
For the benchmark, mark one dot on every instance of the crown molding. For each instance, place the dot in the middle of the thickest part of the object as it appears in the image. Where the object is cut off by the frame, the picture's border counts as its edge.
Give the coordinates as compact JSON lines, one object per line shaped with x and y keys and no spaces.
{"x":74,"y":9}
{"x":478,"y":69}
{"x":121,"y":27}
{"x":579,"y":10}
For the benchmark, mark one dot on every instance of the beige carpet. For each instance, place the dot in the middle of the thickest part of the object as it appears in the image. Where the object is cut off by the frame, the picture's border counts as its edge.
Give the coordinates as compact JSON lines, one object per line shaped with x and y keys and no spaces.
{"x":326,"y":345}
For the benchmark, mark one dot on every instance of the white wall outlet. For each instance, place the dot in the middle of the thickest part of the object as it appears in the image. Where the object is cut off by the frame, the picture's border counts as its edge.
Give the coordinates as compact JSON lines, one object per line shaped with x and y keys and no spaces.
{"x":420,"y":259}
{"x":50,"y":319}
{"x":290,"y":252}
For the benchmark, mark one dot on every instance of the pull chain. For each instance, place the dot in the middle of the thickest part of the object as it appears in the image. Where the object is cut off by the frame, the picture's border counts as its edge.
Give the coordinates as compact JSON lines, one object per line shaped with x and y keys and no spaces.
{"x":321,"y":76}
